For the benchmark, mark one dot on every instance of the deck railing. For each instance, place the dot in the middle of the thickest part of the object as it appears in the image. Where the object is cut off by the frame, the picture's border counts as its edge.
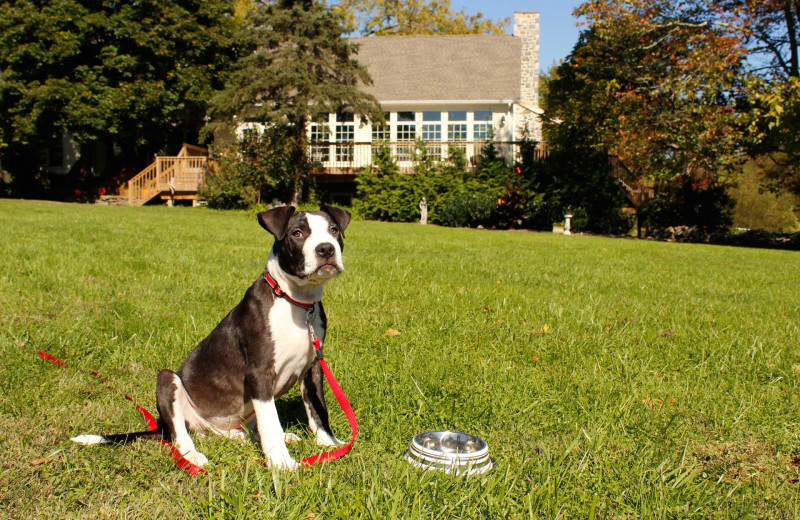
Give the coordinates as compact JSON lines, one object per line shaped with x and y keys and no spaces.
{"x":352,"y":157}
{"x":165,"y":175}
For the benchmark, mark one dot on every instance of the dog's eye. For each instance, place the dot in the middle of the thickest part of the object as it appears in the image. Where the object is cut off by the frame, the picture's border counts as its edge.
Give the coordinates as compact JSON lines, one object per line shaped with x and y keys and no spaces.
{"x":297,"y":233}
{"x":334,"y":230}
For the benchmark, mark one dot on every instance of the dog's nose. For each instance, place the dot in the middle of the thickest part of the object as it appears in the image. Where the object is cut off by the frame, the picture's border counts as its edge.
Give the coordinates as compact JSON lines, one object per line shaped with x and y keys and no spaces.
{"x":325,"y":250}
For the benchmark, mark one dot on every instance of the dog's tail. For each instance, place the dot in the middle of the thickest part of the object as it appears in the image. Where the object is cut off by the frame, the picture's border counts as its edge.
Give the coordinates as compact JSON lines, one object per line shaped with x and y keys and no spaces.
{"x":121,"y":438}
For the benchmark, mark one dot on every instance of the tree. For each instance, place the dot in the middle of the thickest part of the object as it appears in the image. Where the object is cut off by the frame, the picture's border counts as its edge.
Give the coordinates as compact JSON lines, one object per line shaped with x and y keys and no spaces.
{"x":137,"y":74}
{"x":772,"y":28}
{"x":302,"y":68}
{"x":669,"y":76}
{"x":392,"y":17}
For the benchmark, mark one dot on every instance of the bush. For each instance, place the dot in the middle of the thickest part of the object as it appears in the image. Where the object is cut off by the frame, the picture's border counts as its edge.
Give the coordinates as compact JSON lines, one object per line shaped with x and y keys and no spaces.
{"x":688,"y":202}
{"x":255,"y":170}
{"x":468,"y":210}
{"x":455,"y":197}
{"x":225,"y":185}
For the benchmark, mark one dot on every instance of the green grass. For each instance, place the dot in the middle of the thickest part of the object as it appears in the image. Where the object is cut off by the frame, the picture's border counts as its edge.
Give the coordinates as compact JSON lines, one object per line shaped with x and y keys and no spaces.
{"x":611,"y":378}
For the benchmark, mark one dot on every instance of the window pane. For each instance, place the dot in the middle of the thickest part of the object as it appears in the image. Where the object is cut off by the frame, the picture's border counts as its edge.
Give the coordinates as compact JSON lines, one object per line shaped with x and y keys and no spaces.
{"x":406,"y":132}
{"x":405,"y":116}
{"x":345,"y":117}
{"x":483,"y":115}
{"x":344,"y":134}
{"x":431,"y":132}
{"x":380,"y":132}
{"x":320,"y":134}
{"x":432,"y":116}
{"x":482,"y":131}
{"x":457,"y":115}
{"x":457,"y":132}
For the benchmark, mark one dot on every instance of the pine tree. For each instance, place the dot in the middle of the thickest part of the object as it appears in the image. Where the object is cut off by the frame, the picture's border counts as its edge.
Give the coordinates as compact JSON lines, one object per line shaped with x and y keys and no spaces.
{"x":302,"y":69}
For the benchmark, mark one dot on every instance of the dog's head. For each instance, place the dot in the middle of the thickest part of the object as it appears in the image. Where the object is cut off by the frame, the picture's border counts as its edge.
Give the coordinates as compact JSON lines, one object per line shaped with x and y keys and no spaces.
{"x":308,"y":244}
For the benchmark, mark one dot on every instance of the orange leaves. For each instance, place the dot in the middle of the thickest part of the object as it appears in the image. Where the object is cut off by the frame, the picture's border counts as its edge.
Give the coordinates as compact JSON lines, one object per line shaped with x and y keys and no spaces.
{"x":392,"y":333}
{"x":654,"y":403}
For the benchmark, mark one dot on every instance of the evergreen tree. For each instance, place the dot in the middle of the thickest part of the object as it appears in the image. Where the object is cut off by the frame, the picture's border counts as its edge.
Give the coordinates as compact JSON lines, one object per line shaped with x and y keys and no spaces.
{"x":302,"y":68}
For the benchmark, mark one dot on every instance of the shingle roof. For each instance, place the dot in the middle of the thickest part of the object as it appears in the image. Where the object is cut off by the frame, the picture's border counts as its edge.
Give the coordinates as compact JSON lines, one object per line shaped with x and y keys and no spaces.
{"x":444,"y":67}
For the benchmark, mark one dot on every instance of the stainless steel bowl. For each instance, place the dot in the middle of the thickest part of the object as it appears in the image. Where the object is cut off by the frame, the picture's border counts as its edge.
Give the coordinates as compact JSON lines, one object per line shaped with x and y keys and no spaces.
{"x":452,"y":452}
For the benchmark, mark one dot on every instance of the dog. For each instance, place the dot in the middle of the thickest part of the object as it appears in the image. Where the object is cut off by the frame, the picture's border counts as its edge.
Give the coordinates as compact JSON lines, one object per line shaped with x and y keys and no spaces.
{"x":230,"y":381}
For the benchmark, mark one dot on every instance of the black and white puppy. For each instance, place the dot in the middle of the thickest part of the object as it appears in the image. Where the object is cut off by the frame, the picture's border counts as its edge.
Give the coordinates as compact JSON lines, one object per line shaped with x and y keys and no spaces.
{"x":259,"y":350}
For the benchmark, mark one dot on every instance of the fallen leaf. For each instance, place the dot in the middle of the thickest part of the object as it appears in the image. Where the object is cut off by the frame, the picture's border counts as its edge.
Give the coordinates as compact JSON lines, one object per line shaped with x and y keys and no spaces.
{"x":652,"y":403}
{"x":370,"y":310}
{"x":524,"y":320}
{"x":666,"y":333}
{"x":486,"y":309}
{"x":39,"y":462}
{"x":671,"y":400}
{"x":537,"y":332}
{"x":462,"y":290}
{"x":536,"y":357}
{"x":499,"y":282}
{"x":501,"y":321}
{"x":392,"y":332}
{"x":546,"y":328}
{"x":21,"y":344}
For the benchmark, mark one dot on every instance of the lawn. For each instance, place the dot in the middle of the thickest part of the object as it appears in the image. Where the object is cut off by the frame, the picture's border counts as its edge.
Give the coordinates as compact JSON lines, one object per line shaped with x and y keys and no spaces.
{"x":611,"y":378}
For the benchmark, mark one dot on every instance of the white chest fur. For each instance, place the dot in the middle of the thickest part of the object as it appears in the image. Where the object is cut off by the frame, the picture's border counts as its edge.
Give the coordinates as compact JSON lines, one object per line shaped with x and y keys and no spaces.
{"x":292,"y":346}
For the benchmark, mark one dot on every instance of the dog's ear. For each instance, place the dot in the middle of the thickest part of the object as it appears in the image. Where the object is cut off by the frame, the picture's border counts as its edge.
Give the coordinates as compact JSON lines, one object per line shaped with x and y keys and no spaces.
{"x":276,"y":220}
{"x":339,"y":215}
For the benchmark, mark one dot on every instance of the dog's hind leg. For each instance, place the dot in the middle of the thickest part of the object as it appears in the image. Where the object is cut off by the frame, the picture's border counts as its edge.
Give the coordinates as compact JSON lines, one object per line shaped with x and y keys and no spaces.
{"x":316,"y":409}
{"x":173,"y":407}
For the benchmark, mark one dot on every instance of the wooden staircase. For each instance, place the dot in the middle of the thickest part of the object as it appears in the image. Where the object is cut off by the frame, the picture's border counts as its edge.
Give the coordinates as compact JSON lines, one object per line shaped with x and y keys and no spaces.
{"x":170,"y":178}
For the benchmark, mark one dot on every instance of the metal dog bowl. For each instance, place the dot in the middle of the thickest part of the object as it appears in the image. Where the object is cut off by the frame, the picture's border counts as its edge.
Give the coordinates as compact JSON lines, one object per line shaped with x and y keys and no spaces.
{"x":452,"y":452}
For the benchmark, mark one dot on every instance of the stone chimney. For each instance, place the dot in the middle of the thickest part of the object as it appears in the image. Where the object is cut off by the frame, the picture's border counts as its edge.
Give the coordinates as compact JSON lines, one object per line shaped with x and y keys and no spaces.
{"x":526,"y":27}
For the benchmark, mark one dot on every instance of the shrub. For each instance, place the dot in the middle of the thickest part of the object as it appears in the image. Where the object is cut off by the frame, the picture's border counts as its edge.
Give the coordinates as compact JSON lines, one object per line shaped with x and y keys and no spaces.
{"x":455,"y":196}
{"x":225,"y":185}
{"x":688,"y":202}
{"x":468,"y":210}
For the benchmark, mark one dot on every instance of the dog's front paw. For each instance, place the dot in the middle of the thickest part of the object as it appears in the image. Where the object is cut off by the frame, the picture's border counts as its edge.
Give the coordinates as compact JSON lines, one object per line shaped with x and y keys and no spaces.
{"x":326,"y":439}
{"x":195,"y":457}
{"x":282,"y":461}
{"x":290,"y":438}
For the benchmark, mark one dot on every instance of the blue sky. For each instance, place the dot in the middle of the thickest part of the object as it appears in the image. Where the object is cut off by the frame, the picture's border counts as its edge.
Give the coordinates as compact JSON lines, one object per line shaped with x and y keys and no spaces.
{"x":558,"y":31}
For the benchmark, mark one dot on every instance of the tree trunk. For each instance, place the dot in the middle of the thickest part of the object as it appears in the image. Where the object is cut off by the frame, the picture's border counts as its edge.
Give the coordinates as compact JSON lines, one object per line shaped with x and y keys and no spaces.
{"x":299,"y":161}
{"x":790,"y":13}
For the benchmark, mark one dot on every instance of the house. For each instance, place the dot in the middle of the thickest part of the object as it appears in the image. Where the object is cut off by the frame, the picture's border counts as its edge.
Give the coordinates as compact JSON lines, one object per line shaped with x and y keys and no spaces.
{"x":450,"y":91}
{"x":454,"y":92}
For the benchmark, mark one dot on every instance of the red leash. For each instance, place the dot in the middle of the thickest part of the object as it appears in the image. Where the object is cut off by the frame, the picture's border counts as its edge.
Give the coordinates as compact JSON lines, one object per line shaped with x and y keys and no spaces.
{"x":181,"y":462}
{"x":335,"y":388}
{"x":346,"y":408}
{"x":193,"y":469}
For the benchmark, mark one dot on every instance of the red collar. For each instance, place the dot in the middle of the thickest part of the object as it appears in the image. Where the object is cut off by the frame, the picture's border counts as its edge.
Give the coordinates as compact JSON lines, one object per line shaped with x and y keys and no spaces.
{"x":277,"y":291}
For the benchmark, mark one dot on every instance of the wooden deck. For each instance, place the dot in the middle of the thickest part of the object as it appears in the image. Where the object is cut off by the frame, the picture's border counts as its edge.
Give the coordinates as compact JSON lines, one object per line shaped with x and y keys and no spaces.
{"x":170,"y":178}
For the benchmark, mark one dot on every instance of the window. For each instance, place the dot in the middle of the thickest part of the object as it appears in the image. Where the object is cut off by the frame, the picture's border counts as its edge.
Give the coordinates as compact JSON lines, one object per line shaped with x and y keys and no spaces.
{"x":482,"y":132}
{"x":405,"y":116}
{"x":457,"y":115}
{"x":381,"y":134}
{"x":381,"y":131}
{"x":456,"y":132}
{"x":431,"y":116}
{"x":345,"y":133}
{"x":405,"y":132}
{"x":320,"y":135}
{"x":432,"y":134}
{"x":482,"y":127}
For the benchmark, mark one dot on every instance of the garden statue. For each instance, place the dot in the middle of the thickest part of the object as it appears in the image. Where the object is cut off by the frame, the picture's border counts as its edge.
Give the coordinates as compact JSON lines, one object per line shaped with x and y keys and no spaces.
{"x":423,"y":211}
